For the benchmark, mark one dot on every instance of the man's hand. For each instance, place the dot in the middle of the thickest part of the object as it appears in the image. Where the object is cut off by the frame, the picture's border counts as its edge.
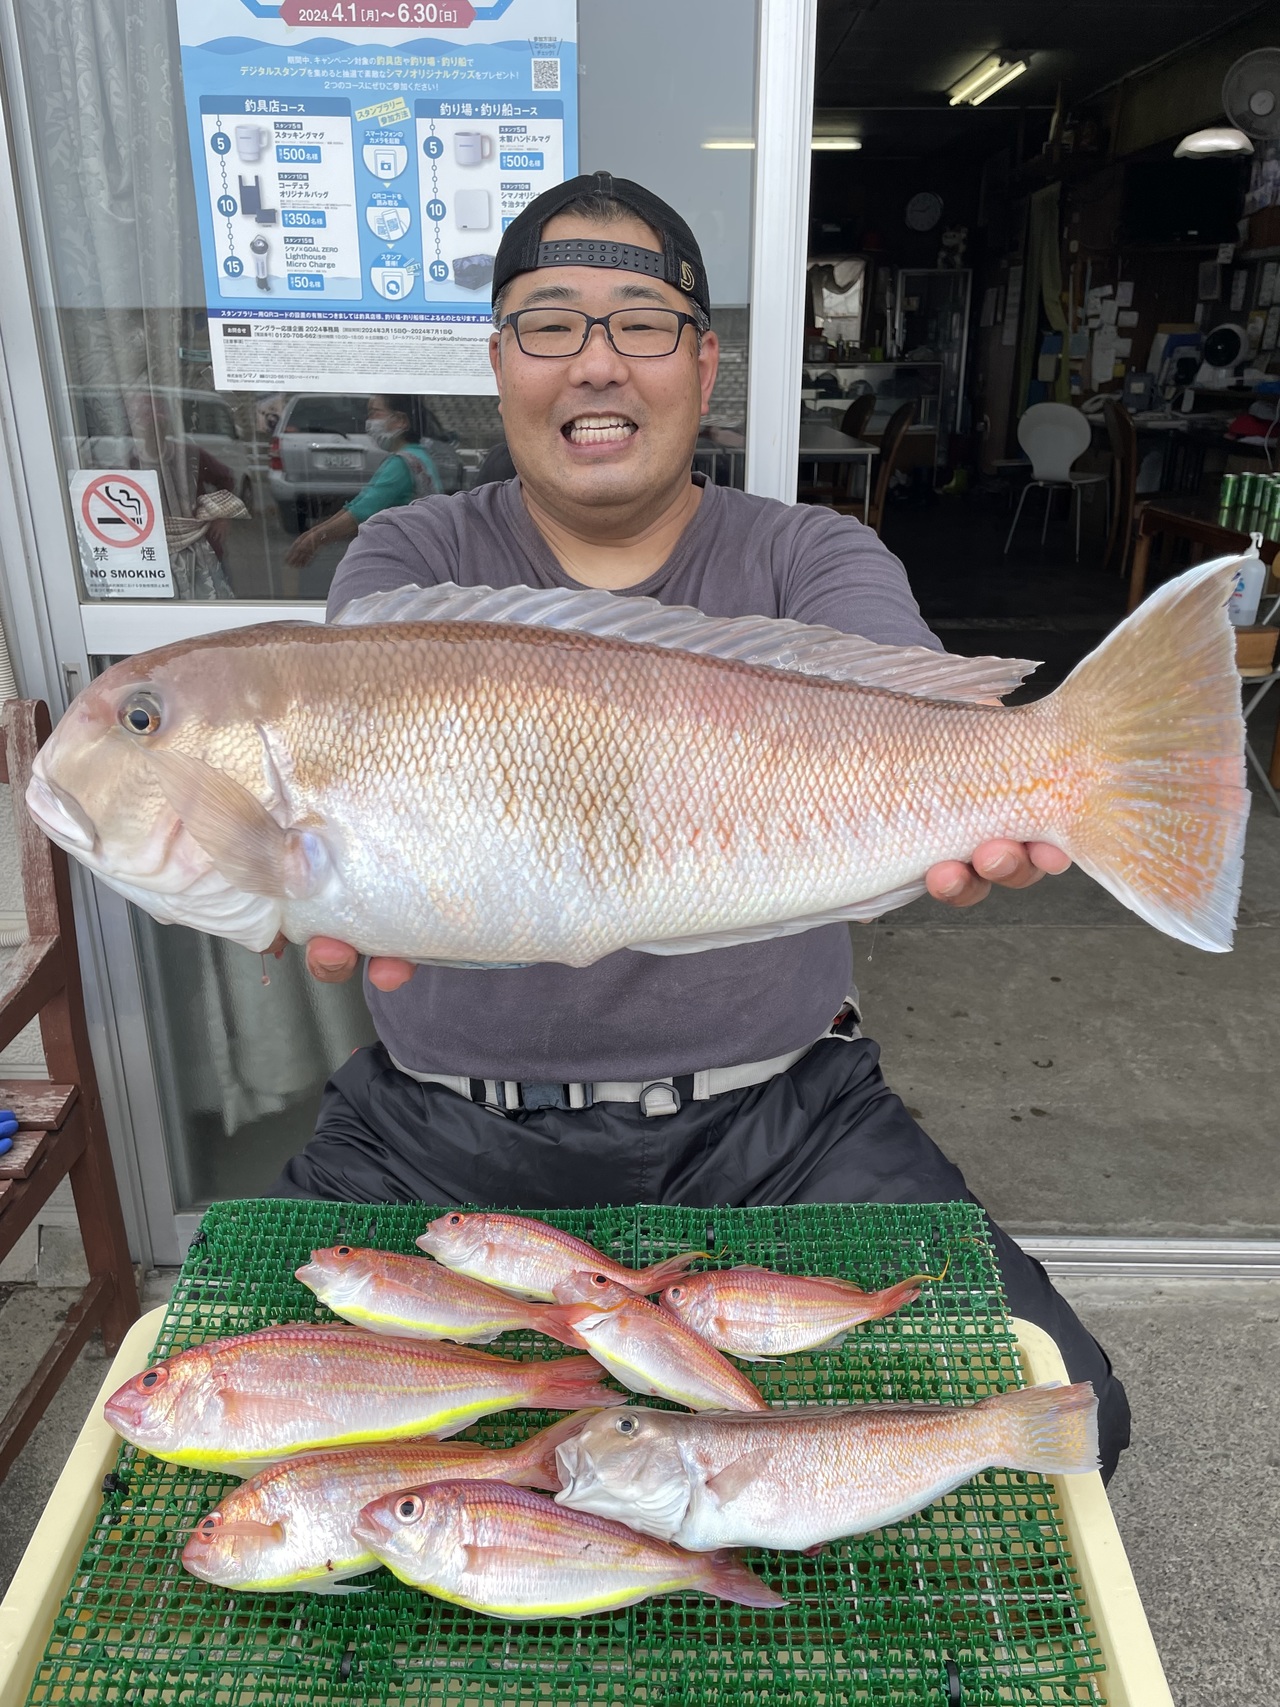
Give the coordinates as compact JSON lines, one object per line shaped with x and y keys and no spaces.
{"x":333,"y":962}
{"x":1013,"y":865}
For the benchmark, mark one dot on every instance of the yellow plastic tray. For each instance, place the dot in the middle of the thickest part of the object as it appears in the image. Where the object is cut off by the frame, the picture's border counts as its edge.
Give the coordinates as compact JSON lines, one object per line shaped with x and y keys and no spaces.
{"x":1134,"y":1675}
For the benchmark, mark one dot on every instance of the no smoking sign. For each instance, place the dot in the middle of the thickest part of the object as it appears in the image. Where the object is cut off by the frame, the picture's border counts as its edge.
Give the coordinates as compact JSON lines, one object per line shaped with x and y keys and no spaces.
{"x":123,"y":550}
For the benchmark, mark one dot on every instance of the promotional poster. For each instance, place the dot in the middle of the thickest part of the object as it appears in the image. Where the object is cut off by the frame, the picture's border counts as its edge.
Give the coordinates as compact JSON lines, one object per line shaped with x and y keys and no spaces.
{"x":356,"y":163}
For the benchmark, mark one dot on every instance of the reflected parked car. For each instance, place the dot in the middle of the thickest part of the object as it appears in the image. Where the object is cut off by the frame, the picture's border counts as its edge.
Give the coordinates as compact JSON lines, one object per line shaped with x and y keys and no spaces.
{"x":105,"y":439}
{"x":321,"y":456}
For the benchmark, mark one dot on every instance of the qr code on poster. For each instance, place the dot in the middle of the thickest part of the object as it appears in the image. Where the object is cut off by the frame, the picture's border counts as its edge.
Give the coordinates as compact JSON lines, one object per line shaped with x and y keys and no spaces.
{"x":546,"y":75}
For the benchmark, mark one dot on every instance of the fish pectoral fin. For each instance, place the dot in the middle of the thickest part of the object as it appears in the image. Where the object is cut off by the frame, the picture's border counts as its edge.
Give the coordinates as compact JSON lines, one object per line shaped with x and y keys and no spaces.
{"x":728,"y":1483}
{"x":236,"y":830}
{"x":478,"y":1558}
{"x":239,"y":1408}
{"x":857,"y":912}
{"x":247,"y":1526}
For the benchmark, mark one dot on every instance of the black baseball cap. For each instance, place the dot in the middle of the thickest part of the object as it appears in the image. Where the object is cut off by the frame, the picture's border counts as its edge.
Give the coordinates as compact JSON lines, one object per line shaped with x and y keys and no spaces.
{"x":678,"y":262}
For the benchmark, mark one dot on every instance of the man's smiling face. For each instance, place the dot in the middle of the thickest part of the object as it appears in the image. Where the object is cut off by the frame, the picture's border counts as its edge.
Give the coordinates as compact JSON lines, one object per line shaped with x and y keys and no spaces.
{"x":600,"y":429}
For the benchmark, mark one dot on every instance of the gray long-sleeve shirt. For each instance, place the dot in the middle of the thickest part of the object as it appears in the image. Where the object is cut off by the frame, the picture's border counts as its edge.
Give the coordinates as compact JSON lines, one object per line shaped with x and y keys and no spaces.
{"x":636,"y":1016}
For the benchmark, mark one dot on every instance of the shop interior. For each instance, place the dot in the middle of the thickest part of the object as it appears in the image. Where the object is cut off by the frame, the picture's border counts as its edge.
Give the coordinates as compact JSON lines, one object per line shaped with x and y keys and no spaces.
{"x":1017,"y":206}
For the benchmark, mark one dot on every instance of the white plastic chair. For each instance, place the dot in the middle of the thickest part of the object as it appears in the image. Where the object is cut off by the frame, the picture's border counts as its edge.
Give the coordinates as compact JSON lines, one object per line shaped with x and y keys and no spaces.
{"x":1054,"y":435}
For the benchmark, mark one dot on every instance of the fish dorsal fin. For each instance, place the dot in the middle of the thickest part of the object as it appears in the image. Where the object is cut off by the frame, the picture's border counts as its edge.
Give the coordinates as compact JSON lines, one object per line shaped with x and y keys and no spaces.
{"x":776,"y":643}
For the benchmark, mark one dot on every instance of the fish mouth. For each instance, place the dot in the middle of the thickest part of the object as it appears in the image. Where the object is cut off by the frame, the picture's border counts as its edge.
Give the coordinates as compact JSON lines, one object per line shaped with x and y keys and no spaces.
{"x":602,"y":429}
{"x":60,"y":815}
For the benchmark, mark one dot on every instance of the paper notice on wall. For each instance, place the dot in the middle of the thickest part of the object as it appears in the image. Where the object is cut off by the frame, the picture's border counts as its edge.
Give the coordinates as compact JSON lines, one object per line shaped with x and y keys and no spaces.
{"x":120,"y":528}
{"x":1124,"y":348}
{"x":353,"y":180}
{"x":1266,"y":286}
{"x":1127,"y":317}
{"x":1104,"y":357}
{"x":1271,"y":330}
{"x":1124,"y":293}
{"x":1110,"y":311}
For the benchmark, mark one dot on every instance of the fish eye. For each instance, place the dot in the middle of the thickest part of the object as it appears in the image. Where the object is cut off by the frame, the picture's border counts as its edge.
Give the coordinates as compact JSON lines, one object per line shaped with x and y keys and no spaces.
{"x":627,"y":1425}
{"x":599,"y":1279}
{"x":207,"y":1526}
{"x":343,"y":1251}
{"x":140,"y":714}
{"x":675,"y":1293}
{"x":455,"y":1220}
{"x":153,"y":1378}
{"x":409,"y":1508}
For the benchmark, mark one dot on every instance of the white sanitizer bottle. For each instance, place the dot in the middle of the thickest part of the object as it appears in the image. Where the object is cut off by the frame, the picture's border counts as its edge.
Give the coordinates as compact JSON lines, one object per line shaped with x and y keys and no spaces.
{"x":1251,"y":575}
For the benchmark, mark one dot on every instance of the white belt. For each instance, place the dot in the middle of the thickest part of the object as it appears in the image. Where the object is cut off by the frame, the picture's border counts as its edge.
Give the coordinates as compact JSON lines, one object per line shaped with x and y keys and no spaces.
{"x":665,"y":1095}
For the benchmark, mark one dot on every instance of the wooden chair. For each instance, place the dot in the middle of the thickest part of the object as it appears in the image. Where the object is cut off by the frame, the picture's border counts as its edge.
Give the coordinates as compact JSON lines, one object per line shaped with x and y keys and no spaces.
{"x":1127,"y":506}
{"x":838,"y":490}
{"x":890,"y":449}
{"x":61,"y":1129}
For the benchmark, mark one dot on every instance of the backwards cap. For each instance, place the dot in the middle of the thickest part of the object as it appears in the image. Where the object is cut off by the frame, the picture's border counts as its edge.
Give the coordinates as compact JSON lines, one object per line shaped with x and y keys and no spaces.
{"x":678,"y":262}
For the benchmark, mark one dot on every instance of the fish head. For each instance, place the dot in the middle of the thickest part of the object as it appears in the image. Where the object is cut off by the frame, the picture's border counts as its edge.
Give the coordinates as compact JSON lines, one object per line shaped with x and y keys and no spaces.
{"x":338,"y":1274}
{"x":586,"y":1287}
{"x":454,"y":1239}
{"x":419,"y":1533}
{"x":98,"y":786}
{"x":627,"y":1465}
{"x":159,"y":1408}
{"x":240,"y":1542}
{"x":693,"y":1300}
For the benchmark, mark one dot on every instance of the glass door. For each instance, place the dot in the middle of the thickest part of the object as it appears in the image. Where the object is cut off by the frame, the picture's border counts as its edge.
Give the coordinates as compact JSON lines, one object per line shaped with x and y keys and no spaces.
{"x":142,"y":265}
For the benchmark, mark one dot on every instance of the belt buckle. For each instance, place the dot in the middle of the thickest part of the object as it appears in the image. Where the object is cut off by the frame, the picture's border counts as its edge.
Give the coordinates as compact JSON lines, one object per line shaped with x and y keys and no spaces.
{"x":544,"y":1096}
{"x":662,"y":1089}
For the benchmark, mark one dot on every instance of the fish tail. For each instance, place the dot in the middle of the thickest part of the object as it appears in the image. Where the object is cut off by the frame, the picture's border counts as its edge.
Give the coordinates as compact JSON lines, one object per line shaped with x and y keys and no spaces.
{"x":725,"y":1576}
{"x":653,"y":1279}
{"x":895,"y":1297}
{"x":532,"y":1462}
{"x":554,"y":1320}
{"x":571,"y":1384}
{"x":1155,"y":714}
{"x":1050,"y":1429}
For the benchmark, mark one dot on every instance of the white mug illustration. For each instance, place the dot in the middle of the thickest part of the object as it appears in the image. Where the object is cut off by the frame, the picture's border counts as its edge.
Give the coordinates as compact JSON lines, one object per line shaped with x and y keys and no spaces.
{"x":470,"y":147}
{"x":251,"y":139}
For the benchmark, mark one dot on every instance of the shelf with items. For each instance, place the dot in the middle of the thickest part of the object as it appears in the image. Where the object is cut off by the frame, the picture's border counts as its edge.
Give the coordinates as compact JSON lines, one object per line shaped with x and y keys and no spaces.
{"x":892,"y":383}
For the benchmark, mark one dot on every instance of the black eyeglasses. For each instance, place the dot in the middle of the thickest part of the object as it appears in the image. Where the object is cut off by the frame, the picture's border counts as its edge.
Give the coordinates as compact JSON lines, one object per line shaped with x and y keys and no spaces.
{"x":639,"y":331}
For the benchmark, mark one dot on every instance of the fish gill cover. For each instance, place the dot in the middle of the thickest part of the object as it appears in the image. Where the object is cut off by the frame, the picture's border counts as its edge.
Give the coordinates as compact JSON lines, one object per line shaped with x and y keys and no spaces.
{"x":981,"y":1584}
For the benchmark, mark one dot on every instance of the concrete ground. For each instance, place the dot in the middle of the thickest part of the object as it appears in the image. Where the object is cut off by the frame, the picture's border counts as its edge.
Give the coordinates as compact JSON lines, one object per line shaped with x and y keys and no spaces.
{"x":1196,"y":1496}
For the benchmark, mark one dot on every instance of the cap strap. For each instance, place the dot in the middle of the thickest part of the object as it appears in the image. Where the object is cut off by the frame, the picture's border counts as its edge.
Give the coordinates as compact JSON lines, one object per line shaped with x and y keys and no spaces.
{"x":592,"y":252}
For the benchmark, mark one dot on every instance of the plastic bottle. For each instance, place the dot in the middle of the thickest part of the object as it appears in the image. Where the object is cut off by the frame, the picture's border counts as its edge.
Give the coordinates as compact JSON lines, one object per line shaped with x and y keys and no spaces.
{"x":1251,"y":575}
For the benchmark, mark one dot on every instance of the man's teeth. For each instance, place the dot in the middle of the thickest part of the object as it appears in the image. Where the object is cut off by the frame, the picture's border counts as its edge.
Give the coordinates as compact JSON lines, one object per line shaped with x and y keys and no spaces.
{"x":600,"y":430}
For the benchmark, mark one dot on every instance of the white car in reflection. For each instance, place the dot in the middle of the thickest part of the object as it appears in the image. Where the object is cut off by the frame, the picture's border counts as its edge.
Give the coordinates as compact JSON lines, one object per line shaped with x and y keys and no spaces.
{"x":105,"y":436}
{"x":321,"y":456}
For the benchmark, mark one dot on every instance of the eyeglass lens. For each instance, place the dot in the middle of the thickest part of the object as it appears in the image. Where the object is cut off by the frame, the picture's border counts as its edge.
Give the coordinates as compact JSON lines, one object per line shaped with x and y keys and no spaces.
{"x":639,"y":331}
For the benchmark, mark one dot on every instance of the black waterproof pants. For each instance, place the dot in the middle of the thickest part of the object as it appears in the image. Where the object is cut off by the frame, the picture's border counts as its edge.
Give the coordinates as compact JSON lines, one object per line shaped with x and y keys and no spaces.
{"x":828,"y":1131}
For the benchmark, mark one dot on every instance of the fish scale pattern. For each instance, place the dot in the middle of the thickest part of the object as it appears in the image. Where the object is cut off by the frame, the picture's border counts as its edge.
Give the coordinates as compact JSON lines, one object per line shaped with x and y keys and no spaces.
{"x":979,"y":1588}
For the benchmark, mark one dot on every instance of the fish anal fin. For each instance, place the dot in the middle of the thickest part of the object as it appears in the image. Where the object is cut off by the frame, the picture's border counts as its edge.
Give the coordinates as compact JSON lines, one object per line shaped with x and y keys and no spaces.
{"x":727,"y":1484}
{"x":858,"y":912}
{"x":236,"y":830}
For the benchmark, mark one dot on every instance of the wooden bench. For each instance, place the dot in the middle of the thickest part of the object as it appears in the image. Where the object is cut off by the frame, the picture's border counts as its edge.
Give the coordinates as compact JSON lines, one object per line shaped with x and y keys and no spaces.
{"x":61,"y":1133}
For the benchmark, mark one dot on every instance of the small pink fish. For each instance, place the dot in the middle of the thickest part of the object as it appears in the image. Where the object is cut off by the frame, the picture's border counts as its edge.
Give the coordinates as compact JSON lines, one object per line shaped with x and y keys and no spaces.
{"x":513,"y":1554}
{"x":412,"y":1297}
{"x":755,"y":1313}
{"x":530,"y":1258}
{"x":648,"y":1348}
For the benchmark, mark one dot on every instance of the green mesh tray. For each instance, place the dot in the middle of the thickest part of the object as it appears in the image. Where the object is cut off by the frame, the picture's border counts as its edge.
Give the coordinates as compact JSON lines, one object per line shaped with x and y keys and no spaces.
{"x":976,"y":1600}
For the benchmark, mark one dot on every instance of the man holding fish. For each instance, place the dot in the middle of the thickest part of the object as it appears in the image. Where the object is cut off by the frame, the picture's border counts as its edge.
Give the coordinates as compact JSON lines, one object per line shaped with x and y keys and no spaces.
{"x":732,"y":1075}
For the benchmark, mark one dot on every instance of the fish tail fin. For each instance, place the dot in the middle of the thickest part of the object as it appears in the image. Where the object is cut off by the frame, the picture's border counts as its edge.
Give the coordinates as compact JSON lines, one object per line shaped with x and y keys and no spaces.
{"x":895,"y":1297}
{"x":532,"y":1463}
{"x":1050,"y":1429}
{"x":725,"y":1576}
{"x":1159,"y":817}
{"x":572,"y":1384}
{"x":654,"y":1278}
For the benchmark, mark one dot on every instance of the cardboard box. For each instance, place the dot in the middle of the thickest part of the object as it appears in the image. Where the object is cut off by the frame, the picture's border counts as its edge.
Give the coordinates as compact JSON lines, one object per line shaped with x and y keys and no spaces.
{"x":1256,"y":647}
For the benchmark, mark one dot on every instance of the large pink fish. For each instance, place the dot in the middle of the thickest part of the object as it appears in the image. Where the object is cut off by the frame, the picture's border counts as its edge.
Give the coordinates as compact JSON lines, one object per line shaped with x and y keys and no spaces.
{"x":485,"y":778}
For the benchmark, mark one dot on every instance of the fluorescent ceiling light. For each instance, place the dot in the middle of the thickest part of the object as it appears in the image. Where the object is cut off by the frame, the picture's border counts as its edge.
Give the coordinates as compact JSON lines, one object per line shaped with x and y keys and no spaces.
{"x":729,"y":142}
{"x":985,"y":79}
{"x":837,"y":142}
{"x":1221,"y":139}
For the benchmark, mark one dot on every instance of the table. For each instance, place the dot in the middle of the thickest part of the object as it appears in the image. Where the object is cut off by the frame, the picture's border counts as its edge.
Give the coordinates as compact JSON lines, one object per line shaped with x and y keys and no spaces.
{"x":1190,"y":521}
{"x":820,"y":443}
